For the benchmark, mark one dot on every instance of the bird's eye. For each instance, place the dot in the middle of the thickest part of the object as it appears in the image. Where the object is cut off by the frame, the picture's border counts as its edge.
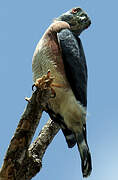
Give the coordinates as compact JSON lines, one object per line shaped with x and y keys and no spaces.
{"x":74,"y":11}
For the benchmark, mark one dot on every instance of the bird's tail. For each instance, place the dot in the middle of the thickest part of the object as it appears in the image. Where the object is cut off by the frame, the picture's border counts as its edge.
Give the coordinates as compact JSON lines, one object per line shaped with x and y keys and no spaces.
{"x":70,"y":137}
{"x":85,"y":155}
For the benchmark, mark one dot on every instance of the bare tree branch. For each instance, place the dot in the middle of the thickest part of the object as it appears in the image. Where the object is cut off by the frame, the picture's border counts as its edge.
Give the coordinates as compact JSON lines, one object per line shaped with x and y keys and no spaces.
{"x":33,"y":162}
{"x":22,"y":161}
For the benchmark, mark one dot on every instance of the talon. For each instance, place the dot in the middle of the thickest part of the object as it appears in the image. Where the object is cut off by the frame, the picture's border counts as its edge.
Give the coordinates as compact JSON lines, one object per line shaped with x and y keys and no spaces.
{"x":46,"y":82}
{"x":53,"y":93}
{"x":27,"y":99}
{"x":48,"y":74}
{"x":33,"y":87}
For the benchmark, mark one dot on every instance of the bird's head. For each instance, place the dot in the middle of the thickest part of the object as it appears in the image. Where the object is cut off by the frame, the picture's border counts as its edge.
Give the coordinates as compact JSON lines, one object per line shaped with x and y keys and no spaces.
{"x":77,"y":19}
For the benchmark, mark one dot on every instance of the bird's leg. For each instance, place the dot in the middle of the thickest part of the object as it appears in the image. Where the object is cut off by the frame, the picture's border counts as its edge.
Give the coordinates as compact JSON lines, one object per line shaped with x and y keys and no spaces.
{"x":58,"y":85}
{"x":45,"y":82}
{"x":54,"y":84}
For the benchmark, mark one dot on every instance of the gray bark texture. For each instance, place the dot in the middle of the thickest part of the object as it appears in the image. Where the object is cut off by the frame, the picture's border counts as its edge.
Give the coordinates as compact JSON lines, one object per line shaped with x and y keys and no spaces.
{"x":23,"y":160}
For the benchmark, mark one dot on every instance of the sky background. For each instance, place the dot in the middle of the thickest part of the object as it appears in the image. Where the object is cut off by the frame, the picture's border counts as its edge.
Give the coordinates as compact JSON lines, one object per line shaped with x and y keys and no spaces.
{"x":22,"y":23}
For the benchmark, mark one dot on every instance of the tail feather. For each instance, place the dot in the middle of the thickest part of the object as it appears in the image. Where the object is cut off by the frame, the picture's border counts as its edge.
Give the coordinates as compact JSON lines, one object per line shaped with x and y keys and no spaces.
{"x":85,"y":155}
{"x":70,"y":137}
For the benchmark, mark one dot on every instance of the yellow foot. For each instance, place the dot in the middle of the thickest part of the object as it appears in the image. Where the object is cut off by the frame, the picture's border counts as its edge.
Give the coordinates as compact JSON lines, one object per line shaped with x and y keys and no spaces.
{"x":45,"y":82}
{"x":58,"y":85}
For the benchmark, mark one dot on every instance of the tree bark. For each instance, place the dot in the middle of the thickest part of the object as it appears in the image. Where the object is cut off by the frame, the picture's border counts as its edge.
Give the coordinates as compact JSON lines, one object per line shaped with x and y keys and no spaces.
{"x":22,"y":160}
{"x":33,"y":161}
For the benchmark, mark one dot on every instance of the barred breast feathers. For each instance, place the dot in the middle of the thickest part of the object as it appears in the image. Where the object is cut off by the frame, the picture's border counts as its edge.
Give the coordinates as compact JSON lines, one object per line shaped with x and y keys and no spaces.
{"x":48,"y":53}
{"x":48,"y":56}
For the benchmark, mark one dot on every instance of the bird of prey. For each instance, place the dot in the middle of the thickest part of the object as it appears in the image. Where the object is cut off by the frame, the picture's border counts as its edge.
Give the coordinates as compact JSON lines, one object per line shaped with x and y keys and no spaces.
{"x":60,"y":51}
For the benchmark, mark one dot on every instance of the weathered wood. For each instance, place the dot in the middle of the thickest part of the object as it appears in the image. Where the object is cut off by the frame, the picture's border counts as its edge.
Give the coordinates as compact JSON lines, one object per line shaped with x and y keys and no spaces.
{"x":23,"y":161}
{"x":33,"y":162}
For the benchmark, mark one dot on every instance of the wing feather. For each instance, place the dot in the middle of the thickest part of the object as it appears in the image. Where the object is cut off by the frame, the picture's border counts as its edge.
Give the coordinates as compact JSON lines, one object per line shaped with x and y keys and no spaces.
{"x":74,"y":63}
